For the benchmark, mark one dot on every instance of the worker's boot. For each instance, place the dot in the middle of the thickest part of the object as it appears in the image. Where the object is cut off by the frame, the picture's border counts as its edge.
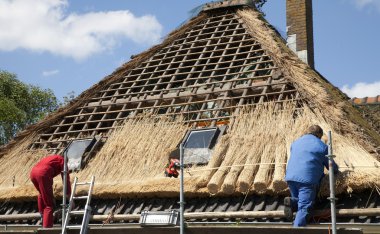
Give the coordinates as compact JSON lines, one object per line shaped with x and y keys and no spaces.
{"x":288,"y":208}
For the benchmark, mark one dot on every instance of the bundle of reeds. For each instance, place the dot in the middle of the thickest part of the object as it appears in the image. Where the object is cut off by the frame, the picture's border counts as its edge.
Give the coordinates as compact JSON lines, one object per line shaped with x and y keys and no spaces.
{"x":245,"y":180}
{"x":235,"y":155}
{"x":279,"y":184}
{"x":218,"y":177}
{"x":358,"y":169}
{"x":260,"y":147}
{"x":215,"y":161}
{"x":228,"y":186}
{"x":267,"y":162}
{"x":293,"y":125}
{"x":249,"y":137}
{"x":271,"y":119}
{"x":137,"y":151}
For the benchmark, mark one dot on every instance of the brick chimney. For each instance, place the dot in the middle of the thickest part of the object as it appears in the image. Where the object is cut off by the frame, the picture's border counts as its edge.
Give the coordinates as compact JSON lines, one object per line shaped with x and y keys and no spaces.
{"x":299,"y":27}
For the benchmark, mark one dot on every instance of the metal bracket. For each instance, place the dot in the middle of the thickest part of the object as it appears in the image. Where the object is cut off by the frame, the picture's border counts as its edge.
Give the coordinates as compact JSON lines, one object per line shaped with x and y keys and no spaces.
{"x":330,"y":156}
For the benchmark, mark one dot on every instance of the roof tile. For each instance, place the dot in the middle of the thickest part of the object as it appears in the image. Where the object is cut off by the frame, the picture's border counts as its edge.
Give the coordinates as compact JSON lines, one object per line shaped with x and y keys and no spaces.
{"x":366,"y":100}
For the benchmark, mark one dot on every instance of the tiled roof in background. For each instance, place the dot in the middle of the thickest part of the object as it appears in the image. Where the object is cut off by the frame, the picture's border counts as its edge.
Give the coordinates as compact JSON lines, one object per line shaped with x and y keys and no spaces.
{"x":367,"y":100}
{"x":369,"y":107}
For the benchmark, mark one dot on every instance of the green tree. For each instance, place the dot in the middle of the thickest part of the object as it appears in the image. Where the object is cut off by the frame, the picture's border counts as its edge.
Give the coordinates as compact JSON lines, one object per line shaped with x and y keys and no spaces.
{"x":21,"y":104}
{"x":70,"y":96}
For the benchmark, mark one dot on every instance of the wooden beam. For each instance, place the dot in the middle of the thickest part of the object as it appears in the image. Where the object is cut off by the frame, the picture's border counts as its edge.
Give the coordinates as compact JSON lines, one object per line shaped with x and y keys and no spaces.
{"x":211,"y":215}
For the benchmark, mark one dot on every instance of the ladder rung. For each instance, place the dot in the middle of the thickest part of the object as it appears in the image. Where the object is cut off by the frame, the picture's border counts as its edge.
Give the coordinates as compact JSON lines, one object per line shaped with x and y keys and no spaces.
{"x":83,"y":183}
{"x":74,"y":226}
{"x":77,"y":212}
{"x":80,"y":197}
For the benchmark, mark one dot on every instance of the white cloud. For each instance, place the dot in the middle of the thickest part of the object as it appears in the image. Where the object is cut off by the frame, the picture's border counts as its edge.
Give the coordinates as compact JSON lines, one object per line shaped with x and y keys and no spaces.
{"x":361,"y":90}
{"x":45,"y":26}
{"x":367,"y":3}
{"x":50,"y":73}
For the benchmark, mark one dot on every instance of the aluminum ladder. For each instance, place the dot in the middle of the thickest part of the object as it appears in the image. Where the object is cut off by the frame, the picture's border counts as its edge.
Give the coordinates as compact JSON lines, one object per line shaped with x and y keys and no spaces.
{"x":87,"y":209}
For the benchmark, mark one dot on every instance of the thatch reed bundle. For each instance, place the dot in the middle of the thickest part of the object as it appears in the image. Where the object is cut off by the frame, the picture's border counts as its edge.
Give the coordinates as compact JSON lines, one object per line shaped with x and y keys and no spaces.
{"x":259,"y":147}
{"x":358,"y":169}
{"x":218,"y":177}
{"x":250,"y":143}
{"x":247,"y":176}
{"x":269,"y":118}
{"x":292,"y":129}
{"x":236,"y":154}
{"x":215,"y":161}
{"x":250,"y":124}
{"x":228,"y":186}
{"x":278,"y":183}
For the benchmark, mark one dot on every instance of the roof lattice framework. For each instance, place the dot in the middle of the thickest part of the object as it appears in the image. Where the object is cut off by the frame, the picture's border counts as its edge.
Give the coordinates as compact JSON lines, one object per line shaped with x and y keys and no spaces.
{"x":203,"y":76}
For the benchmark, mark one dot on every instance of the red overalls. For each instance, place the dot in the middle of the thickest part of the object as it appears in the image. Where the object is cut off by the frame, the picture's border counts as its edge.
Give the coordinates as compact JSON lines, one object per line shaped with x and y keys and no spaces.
{"x":42,"y":175}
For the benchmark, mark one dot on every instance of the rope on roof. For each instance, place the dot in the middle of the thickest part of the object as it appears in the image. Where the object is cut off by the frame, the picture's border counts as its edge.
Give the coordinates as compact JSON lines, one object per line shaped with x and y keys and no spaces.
{"x":276,"y":164}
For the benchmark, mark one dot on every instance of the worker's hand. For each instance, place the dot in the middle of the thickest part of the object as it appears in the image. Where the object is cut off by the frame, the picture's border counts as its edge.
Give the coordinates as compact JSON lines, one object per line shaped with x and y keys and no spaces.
{"x":336,"y":172}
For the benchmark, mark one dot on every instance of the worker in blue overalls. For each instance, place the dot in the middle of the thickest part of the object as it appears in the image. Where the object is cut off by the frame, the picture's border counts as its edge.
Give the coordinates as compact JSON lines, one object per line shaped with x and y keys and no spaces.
{"x":304,"y":173}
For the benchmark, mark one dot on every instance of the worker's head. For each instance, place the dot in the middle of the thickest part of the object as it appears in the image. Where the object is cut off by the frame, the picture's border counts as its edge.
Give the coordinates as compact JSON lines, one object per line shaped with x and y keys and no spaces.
{"x":315,"y":130}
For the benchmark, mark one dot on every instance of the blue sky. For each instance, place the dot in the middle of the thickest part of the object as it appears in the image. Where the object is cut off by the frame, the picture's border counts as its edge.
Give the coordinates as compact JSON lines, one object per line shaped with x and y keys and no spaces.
{"x":68,"y":45}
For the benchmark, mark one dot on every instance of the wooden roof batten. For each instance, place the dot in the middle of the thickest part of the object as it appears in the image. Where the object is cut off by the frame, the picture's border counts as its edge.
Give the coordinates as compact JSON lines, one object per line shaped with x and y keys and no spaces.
{"x":202,"y":75}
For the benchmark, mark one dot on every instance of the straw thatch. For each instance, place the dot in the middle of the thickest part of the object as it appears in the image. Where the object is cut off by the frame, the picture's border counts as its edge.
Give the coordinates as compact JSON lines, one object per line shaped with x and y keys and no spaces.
{"x":15,"y":167}
{"x":251,"y":157}
{"x":134,"y":153}
{"x":371,"y":112}
{"x":216,"y":159}
{"x":265,"y":135}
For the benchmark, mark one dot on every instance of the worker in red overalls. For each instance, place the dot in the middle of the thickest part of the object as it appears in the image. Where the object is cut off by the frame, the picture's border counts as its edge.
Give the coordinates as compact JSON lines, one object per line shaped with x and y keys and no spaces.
{"x":42,"y":175}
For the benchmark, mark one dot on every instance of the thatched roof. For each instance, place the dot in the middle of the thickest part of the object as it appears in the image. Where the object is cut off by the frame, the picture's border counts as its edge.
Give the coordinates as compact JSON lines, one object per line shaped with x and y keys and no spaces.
{"x":369,"y":107}
{"x":225,"y":66}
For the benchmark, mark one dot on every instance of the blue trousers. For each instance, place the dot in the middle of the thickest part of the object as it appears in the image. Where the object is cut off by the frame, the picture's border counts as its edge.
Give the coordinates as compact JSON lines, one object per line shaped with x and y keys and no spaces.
{"x":302,"y":200}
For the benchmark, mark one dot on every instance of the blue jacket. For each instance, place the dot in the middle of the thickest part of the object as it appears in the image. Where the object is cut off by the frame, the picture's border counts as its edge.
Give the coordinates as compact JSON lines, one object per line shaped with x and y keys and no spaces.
{"x":307,"y":159}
